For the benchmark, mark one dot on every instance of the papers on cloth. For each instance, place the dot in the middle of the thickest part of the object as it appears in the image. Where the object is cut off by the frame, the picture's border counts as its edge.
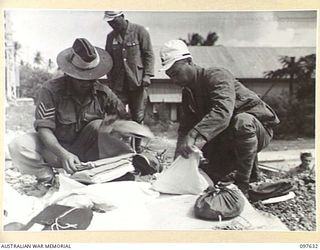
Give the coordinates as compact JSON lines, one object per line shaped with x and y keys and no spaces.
{"x":106,"y":170}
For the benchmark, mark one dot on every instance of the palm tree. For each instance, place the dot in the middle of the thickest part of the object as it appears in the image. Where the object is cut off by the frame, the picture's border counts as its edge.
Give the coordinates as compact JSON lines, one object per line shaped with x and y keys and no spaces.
{"x":288,"y":71}
{"x":212,"y":38}
{"x":50,"y":64}
{"x":16,"y":48}
{"x":301,"y":106}
{"x":195,"y":39}
{"x":38,"y":59}
{"x":300,"y":71}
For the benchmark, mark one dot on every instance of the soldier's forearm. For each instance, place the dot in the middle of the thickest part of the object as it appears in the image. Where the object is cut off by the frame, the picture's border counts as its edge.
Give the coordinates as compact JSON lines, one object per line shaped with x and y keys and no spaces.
{"x":50,"y":141}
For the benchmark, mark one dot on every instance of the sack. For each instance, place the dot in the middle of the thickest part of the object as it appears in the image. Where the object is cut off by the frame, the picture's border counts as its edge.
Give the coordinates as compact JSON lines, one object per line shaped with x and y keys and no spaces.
{"x":105,"y":170}
{"x":219,"y":203}
{"x":265,"y":191}
{"x":182,"y":177}
{"x":59,"y":217}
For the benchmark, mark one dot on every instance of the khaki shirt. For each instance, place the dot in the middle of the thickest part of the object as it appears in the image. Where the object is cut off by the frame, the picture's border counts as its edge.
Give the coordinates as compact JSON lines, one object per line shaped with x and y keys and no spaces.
{"x":132,"y":57}
{"x":60,"y":110}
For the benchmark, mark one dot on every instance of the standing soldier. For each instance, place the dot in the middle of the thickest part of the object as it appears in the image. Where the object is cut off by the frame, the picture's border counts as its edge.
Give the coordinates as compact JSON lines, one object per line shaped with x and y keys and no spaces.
{"x":130,"y":46}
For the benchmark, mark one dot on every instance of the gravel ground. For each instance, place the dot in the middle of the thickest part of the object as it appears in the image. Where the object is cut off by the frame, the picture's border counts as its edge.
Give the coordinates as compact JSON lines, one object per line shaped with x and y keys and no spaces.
{"x":299,"y":213}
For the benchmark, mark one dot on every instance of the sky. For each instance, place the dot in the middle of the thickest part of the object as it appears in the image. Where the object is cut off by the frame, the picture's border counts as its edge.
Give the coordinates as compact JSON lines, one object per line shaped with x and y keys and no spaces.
{"x":51,"y":31}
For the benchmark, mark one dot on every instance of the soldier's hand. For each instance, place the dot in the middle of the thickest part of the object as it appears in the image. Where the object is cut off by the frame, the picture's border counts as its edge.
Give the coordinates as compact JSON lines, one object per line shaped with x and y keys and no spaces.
{"x":176,"y":154}
{"x":186,"y":147}
{"x":106,"y":124}
{"x":69,"y":162}
{"x":146,"y":81}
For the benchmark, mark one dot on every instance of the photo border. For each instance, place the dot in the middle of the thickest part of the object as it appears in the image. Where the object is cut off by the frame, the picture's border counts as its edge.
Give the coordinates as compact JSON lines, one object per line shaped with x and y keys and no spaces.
{"x":161,"y":236}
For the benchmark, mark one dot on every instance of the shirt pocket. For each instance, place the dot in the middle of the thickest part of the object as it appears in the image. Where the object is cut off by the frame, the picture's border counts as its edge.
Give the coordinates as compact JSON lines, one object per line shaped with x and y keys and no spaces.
{"x":66,"y":125}
{"x":66,"y":118}
{"x":132,"y":43}
{"x":133,"y":49}
{"x":66,"y":113}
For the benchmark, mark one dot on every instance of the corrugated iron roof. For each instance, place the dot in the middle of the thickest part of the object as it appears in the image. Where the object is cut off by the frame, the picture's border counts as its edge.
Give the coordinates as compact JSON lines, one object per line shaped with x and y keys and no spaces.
{"x":243,"y":62}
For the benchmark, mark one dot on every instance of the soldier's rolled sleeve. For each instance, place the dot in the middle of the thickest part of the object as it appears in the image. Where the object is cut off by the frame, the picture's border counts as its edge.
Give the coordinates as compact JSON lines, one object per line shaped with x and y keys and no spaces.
{"x":45,"y":113}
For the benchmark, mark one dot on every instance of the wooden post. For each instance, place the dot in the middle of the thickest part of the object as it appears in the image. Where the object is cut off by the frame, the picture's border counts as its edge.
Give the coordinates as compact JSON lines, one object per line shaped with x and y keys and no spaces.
{"x":173,"y":112}
{"x":291,"y":80}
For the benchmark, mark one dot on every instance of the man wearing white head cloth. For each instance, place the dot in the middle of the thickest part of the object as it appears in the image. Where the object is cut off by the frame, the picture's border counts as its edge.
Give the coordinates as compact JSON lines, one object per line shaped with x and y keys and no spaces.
{"x":233,"y":120}
{"x":69,"y":114}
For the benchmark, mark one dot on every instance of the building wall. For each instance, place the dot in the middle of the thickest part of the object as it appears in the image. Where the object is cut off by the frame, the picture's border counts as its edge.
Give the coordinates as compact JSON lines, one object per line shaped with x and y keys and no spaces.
{"x":276,"y":88}
{"x":163,"y":111}
{"x":260,"y":86}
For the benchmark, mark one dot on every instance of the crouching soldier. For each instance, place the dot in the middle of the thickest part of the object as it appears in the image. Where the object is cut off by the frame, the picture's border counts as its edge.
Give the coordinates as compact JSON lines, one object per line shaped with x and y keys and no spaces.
{"x":69,"y":116}
{"x":235,"y":123}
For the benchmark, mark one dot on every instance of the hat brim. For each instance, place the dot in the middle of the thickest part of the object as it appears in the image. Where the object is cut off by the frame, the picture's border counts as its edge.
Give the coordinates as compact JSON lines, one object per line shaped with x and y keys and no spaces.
{"x":170,"y":64}
{"x":108,"y":19}
{"x":104,"y":66}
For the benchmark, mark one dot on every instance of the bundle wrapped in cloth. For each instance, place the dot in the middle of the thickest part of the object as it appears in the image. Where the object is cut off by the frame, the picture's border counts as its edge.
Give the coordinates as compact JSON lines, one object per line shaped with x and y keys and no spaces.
{"x":219,"y":203}
{"x":182,"y":177}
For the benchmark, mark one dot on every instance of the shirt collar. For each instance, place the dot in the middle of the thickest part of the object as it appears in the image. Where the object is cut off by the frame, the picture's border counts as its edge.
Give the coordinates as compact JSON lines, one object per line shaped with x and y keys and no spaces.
{"x":193,"y":84}
{"x":129,"y":29}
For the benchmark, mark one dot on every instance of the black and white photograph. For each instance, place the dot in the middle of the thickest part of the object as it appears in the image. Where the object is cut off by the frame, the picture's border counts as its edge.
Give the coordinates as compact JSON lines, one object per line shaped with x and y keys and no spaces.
{"x":121,"y":120}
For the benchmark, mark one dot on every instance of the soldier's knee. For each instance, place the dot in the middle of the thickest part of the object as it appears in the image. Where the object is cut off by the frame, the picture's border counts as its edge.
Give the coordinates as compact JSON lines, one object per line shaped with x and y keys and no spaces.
{"x":243,"y":125}
{"x":16,"y":146}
